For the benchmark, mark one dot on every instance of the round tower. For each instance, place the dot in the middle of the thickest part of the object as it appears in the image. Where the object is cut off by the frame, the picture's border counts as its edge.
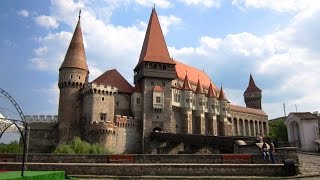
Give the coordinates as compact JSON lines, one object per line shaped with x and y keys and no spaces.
{"x":73,"y":74}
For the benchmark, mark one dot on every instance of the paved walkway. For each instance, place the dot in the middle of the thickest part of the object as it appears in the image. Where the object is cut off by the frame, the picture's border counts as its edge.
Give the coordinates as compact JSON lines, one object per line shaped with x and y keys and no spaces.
{"x":309,"y":164}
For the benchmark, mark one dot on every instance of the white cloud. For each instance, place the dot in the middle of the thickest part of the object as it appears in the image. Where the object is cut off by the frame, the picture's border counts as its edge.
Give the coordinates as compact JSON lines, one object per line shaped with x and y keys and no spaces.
{"x":157,"y":3}
{"x":203,"y":3}
{"x":276,"y":5}
{"x":47,"y":21}
{"x":51,"y":52}
{"x":23,"y":13}
{"x":167,"y":21}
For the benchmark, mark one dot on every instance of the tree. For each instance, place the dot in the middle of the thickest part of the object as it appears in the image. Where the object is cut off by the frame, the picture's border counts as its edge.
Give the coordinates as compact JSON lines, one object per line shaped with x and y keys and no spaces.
{"x":77,"y":146}
{"x":278,"y":130}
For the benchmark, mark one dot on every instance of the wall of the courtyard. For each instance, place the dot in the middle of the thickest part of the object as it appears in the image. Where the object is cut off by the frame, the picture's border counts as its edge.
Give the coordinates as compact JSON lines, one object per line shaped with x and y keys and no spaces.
{"x":43,"y":136}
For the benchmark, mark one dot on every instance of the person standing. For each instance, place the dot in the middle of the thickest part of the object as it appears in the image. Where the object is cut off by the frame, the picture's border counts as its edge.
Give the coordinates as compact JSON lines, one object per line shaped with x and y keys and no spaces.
{"x":271,"y":152}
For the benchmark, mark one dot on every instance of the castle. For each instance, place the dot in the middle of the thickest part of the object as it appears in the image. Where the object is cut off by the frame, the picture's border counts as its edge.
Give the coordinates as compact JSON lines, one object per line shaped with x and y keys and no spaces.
{"x":168,"y":96}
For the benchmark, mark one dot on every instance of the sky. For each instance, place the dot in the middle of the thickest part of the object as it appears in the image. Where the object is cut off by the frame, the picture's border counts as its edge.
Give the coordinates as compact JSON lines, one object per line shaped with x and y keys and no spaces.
{"x":277,"y":41}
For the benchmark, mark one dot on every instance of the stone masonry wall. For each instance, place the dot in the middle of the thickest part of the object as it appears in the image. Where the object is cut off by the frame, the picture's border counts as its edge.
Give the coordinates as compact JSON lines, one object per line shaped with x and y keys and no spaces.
{"x":43,"y":136}
{"x":131,"y":170}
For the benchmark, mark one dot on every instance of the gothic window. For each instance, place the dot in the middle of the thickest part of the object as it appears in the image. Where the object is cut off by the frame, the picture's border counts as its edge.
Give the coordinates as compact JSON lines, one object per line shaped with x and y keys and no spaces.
{"x":176,"y":97}
{"x":103,"y":116}
{"x":158,"y":99}
{"x":138,"y":101}
{"x":102,"y":98}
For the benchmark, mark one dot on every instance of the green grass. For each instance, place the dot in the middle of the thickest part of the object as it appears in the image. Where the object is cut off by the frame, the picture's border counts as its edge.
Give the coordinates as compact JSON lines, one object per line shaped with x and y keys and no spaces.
{"x":33,"y":175}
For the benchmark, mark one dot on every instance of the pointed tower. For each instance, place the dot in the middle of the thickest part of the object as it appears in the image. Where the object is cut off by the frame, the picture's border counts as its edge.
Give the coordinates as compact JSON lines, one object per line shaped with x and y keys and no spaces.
{"x":213,"y":109}
{"x":155,"y":68}
{"x":186,"y":110}
{"x":73,"y":75}
{"x":199,"y":119}
{"x":252,"y":95}
{"x":224,"y":123}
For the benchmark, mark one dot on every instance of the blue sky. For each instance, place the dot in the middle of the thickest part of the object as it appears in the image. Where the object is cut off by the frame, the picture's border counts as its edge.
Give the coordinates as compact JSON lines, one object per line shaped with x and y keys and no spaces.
{"x":276,"y":41}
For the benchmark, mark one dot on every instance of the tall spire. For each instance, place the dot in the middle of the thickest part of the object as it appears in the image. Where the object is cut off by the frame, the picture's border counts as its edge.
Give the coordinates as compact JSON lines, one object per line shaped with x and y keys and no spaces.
{"x":252,"y":86}
{"x":76,"y":56}
{"x":186,"y":83}
{"x":211,"y":92}
{"x":199,"y":89}
{"x":154,"y":47}
{"x":222,"y":95}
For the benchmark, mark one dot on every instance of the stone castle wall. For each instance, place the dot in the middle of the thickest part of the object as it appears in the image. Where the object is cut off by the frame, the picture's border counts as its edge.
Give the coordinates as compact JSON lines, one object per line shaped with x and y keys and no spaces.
{"x":43,"y":135}
{"x":121,"y":136}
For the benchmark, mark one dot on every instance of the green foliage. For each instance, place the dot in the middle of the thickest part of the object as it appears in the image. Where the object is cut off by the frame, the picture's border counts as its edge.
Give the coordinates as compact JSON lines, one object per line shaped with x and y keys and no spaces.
{"x":77,"y":146}
{"x":278,"y":130}
{"x":13,"y":147}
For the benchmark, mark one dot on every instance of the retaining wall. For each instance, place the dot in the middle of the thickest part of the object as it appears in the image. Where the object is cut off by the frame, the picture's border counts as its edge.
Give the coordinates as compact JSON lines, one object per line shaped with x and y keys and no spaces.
{"x":154,"y":169}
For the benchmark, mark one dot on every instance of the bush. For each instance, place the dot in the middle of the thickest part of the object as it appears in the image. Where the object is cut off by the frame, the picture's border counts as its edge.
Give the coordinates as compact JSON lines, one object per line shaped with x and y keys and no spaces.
{"x":13,"y":147}
{"x":77,"y":146}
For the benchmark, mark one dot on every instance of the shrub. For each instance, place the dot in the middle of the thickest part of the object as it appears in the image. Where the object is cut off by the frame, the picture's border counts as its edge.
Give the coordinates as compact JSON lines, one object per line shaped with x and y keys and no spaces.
{"x":13,"y":147}
{"x":77,"y":146}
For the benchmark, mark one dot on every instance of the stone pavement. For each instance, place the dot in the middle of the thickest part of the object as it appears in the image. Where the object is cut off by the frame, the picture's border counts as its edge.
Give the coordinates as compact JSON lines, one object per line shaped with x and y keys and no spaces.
{"x":309,"y":164}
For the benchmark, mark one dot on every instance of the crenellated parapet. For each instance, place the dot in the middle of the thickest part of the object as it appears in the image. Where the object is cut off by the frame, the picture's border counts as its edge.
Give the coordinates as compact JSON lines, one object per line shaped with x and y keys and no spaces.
{"x":100,"y":89}
{"x":125,"y":122}
{"x":103,"y":127}
{"x":41,"y":118}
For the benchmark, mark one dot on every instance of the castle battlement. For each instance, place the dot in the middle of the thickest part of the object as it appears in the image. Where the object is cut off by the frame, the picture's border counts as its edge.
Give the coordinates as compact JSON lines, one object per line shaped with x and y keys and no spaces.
{"x":124,"y":121}
{"x":103,"y":127}
{"x":95,"y":88}
{"x":41,"y":118}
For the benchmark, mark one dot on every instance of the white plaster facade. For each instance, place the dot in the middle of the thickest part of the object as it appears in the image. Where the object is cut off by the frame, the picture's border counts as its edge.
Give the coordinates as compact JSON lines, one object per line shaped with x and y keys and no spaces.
{"x":303,"y":130}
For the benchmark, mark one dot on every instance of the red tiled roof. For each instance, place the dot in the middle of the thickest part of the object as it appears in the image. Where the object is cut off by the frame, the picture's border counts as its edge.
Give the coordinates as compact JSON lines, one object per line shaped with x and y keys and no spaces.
{"x":305,"y":115}
{"x":186,"y":83}
{"x":193,"y":75}
{"x":199,"y":89}
{"x":114,"y":78}
{"x":75,"y":56}
{"x":211,"y":92}
{"x":222,"y":95}
{"x":157,"y":89}
{"x":154,"y":47}
{"x":252,"y":86}
{"x":237,"y":108}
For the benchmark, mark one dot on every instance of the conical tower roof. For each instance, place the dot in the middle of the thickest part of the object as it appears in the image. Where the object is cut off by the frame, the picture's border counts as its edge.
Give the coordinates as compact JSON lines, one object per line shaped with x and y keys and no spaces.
{"x":76,"y":56}
{"x":199,"y":89}
{"x":252,"y":86}
{"x":154,"y":47}
{"x":222,"y":95}
{"x":211,"y":92}
{"x":186,"y":83}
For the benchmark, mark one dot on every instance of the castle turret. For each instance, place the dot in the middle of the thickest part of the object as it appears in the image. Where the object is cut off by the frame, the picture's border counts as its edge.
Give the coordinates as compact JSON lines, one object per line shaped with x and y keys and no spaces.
{"x":187,"y":104}
{"x":199,"y":120}
{"x":73,"y":74}
{"x":213,"y":105}
{"x":155,"y":68}
{"x":253,"y":95}
{"x":225,"y":126}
